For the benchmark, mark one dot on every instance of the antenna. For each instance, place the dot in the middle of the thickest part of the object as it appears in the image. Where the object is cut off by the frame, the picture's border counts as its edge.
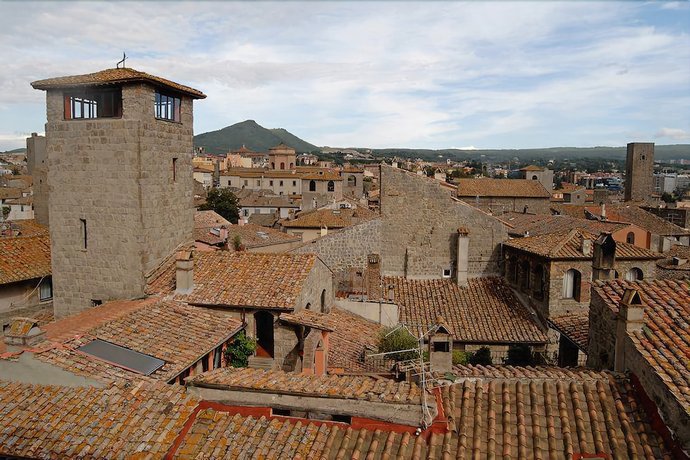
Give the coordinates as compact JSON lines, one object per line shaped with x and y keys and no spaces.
{"x":124,"y":58}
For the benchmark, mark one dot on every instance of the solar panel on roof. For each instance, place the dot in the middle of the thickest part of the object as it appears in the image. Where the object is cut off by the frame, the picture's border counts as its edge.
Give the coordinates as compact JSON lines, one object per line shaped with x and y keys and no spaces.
{"x":122,"y":357}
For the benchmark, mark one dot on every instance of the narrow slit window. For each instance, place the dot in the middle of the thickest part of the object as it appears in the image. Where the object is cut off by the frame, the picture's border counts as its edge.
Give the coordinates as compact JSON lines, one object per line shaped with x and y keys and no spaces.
{"x":84,"y":234}
{"x":174,"y":169}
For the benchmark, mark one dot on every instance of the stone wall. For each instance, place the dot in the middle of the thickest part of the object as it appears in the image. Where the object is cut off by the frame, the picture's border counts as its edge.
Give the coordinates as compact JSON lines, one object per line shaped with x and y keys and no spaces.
{"x":347,"y":248}
{"x":36,"y":158}
{"x":419,"y":227}
{"x":117,"y":175}
{"x":602,"y":334}
{"x":498,"y":206}
{"x":320,"y":280}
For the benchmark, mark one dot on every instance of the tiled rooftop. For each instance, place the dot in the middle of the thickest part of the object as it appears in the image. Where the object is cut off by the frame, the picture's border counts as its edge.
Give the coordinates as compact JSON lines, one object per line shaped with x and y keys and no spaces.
{"x":28,"y":227}
{"x":501,"y":188}
{"x":223,"y":435}
{"x":24,"y":258}
{"x":7,"y":193}
{"x":359,"y":387}
{"x":138,"y":421}
{"x":240,"y":279}
{"x":575,"y":326}
{"x":352,"y":337}
{"x":206,"y":219}
{"x":486,"y":311}
{"x":331,"y":218}
{"x":172,"y":331}
{"x":665,"y":340}
{"x":540,"y":224}
{"x":525,"y":372}
{"x":555,"y":417}
{"x":255,"y":236}
{"x":309,"y":318}
{"x":113,"y":76}
{"x":638,"y":216}
{"x":567,"y":244}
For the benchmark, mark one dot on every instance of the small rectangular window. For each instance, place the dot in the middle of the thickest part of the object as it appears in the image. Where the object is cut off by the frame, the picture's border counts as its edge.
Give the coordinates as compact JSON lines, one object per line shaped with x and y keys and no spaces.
{"x":281,"y":183}
{"x":258,"y":183}
{"x":174,"y":169}
{"x":294,"y":183}
{"x":246,"y":183}
{"x":441,"y":346}
{"x":84,"y":234}
{"x":45,"y":290}
{"x":270,"y":183}
{"x":96,"y":302}
{"x":167,"y":107}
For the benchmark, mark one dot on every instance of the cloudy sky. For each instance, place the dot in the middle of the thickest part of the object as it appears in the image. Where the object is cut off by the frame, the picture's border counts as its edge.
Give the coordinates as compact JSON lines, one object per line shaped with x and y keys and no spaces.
{"x":386,"y":74}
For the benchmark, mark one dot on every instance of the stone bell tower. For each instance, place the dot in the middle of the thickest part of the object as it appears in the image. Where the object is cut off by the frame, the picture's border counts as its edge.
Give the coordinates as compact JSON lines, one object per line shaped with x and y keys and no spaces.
{"x":119,"y":154}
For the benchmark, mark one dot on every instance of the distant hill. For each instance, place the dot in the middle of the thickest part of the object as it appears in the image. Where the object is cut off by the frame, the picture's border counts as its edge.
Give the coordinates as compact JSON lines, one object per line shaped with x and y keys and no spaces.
{"x":12,"y":152}
{"x":252,"y":135}
{"x":661,"y":153}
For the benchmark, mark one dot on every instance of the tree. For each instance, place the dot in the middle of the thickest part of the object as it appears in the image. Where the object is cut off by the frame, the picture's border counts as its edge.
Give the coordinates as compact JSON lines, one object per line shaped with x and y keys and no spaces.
{"x":238,"y":352}
{"x":481,"y":357}
{"x":398,"y":339}
{"x":224,"y":202}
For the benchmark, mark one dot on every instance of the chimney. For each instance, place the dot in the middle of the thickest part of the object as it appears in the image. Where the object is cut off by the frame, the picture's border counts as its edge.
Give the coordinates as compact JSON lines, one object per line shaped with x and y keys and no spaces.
{"x":462,"y":256}
{"x":586,"y":246}
{"x":604,"y":260}
{"x":373,"y":277}
{"x":324,"y":231}
{"x":224,"y":233}
{"x":603,"y":211}
{"x":184,"y":274}
{"x":630,"y":319}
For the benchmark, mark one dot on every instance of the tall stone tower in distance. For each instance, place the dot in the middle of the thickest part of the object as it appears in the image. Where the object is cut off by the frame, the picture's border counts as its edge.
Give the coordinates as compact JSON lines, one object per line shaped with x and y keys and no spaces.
{"x":119,"y":152}
{"x":639,"y":171}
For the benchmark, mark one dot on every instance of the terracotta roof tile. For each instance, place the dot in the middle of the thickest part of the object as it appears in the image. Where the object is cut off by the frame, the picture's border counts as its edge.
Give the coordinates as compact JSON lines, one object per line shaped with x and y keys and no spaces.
{"x":256,"y":236}
{"x":640,"y":217}
{"x":352,"y":338}
{"x":7,"y":193}
{"x":540,"y":224}
{"x":331,"y":218}
{"x":27,"y":227}
{"x":567,"y":244}
{"x":24,"y":258}
{"x":665,"y":340}
{"x":240,"y":279}
{"x":132,"y":421}
{"x":574,"y":326}
{"x":359,"y":387}
{"x":206,"y":219}
{"x":172,"y":331}
{"x":501,"y":188}
{"x":553,"y":417}
{"x":486,"y":311}
{"x":526,"y":372}
{"x":113,"y":76}
{"x":309,"y":318}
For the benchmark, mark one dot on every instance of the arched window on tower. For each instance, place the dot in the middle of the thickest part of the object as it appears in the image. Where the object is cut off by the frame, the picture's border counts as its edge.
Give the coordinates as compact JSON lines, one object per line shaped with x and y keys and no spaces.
{"x":312,"y":185}
{"x":351,"y":181}
{"x":331,"y":186}
{"x":282,"y":165}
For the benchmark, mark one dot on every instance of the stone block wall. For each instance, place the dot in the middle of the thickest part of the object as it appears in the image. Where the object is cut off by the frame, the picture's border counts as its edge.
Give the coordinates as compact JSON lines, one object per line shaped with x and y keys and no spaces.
{"x":36,"y":157}
{"x":117,"y":175}
{"x":347,"y":248}
{"x":320,"y":279}
{"x":498,"y":206}
{"x":419,"y":227}
{"x":602,"y":334}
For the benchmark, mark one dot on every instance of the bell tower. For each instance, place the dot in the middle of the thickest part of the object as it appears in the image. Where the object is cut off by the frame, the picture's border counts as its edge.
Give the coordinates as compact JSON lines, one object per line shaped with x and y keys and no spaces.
{"x":119,"y":161}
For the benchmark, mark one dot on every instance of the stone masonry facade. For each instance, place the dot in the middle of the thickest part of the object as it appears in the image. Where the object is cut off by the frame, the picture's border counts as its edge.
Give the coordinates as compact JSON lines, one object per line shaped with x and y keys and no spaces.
{"x":348,"y":248}
{"x":116,"y":179}
{"x":36,"y":159}
{"x":420,"y":220}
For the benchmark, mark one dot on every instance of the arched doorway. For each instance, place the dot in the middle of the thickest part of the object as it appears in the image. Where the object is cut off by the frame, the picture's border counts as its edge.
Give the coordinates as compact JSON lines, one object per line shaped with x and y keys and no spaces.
{"x":264,"y":334}
{"x":634,"y":274}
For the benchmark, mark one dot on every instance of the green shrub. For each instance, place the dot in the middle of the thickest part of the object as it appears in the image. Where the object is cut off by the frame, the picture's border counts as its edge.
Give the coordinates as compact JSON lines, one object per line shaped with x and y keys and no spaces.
{"x":238,"y":352}
{"x":481,"y":357}
{"x":460,"y":358}
{"x":392,"y":340}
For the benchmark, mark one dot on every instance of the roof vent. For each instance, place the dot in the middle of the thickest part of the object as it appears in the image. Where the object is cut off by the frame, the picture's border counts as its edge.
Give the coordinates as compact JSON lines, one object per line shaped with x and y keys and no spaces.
{"x":262,"y":235}
{"x":678,"y":261}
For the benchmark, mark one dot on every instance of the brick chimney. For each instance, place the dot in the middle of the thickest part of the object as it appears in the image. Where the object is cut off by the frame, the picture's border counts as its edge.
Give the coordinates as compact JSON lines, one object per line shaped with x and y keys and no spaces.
{"x":604,"y":260}
{"x":630,"y":319}
{"x":463,"y":256}
{"x":373,"y":277}
{"x":184,"y":273}
{"x":586,"y":246}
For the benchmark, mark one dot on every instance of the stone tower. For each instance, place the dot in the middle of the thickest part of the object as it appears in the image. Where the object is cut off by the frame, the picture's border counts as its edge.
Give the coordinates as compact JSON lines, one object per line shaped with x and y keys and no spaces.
{"x":639,"y":171}
{"x":38,"y":168}
{"x":119,"y":149}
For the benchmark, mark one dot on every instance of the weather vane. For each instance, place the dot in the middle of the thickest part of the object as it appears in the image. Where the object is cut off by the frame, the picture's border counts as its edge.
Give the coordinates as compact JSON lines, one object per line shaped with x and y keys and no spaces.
{"x":124,"y":58}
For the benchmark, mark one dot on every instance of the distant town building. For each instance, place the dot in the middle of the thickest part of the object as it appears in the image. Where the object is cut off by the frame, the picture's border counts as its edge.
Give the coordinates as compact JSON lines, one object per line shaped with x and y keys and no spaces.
{"x":543,"y":175}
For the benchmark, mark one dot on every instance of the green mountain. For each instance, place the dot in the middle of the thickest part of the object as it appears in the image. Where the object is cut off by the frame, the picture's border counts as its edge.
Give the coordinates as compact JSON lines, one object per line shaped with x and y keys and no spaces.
{"x":252,"y":135}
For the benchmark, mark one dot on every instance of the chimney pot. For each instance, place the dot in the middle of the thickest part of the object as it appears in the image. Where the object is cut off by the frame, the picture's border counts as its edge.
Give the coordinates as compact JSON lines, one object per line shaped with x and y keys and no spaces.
{"x":184,"y":272}
{"x":586,"y":246}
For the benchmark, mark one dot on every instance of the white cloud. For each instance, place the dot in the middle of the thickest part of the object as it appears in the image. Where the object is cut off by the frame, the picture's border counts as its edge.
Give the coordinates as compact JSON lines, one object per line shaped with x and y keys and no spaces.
{"x":674,"y":133}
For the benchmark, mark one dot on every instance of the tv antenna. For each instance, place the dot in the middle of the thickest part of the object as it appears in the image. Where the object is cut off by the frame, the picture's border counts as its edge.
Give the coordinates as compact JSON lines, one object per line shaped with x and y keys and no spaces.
{"x":124,"y":58}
